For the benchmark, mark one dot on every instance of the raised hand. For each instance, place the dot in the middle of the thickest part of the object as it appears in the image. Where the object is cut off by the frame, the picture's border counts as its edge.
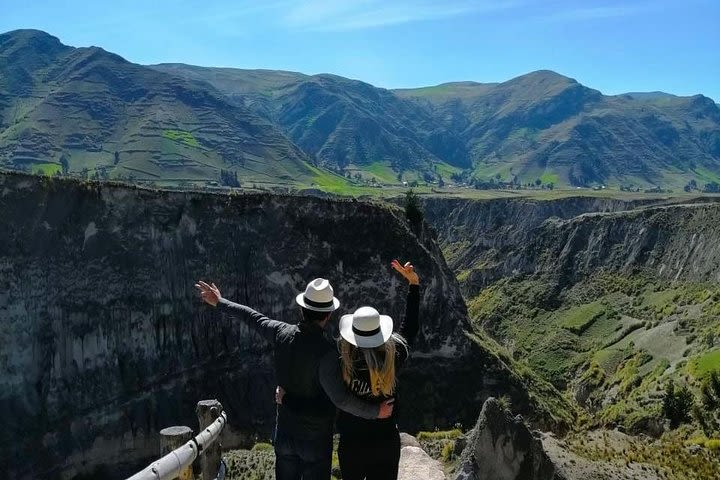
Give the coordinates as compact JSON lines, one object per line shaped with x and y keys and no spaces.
{"x":279,"y":394}
{"x":386,"y":408}
{"x":407,"y":271}
{"x":209,"y":292}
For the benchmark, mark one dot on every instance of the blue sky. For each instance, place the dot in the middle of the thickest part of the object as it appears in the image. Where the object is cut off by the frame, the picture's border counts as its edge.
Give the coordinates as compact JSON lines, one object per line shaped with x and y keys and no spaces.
{"x":614,"y":46}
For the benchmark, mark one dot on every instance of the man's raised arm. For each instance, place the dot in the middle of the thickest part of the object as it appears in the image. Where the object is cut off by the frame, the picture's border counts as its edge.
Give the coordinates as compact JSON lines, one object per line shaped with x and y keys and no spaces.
{"x":257,"y":321}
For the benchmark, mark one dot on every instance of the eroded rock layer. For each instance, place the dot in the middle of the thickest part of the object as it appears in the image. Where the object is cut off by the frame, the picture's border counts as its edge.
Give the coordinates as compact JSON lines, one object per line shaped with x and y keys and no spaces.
{"x":485,"y":241}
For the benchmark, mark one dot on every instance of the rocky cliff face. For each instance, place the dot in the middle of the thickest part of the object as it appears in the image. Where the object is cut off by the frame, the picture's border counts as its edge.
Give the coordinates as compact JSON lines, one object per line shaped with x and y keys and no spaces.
{"x":104,"y":341}
{"x":484,"y":241}
{"x":670,"y":242}
{"x":501,"y":447}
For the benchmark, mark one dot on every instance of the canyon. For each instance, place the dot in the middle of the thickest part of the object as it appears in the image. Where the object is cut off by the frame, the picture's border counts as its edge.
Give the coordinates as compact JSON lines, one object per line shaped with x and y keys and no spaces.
{"x":105,"y":341}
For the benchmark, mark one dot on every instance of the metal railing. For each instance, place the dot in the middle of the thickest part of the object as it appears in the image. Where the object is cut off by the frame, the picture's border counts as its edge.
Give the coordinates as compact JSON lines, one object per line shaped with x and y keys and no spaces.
{"x":178,"y":463}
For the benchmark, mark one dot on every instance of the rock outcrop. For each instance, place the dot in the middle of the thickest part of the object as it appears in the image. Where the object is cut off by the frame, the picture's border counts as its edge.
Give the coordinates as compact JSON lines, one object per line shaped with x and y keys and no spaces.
{"x":501,"y":447}
{"x":415,"y":463}
{"x":103,"y":340}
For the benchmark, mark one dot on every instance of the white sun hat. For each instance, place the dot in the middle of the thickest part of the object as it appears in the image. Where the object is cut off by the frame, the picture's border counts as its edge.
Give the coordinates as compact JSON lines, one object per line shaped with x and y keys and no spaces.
{"x":366,"y":328}
{"x":318,"y":296}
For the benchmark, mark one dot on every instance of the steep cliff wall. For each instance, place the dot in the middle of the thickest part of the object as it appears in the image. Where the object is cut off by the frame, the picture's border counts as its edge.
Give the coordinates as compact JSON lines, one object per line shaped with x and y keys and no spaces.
{"x":103,"y":340}
{"x":670,"y":242}
{"x":484,"y":241}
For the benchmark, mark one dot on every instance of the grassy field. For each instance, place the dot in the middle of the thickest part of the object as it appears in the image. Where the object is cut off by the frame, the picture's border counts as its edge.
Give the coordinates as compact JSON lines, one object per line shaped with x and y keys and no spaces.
{"x":46,"y":168}
{"x":706,"y":363}
{"x":182,"y":137}
{"x":578,"y":319}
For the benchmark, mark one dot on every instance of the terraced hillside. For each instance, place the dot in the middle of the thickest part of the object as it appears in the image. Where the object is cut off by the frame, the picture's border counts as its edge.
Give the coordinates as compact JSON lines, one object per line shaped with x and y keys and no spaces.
{"x":538,"y":127}
{"x":549,"y":127}
{"x":346,"y":124}
{"x":85,"y":110}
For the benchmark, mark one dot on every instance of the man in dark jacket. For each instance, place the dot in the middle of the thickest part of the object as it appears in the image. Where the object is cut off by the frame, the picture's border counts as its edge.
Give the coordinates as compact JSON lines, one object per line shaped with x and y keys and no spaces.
{"x":302,"y":440}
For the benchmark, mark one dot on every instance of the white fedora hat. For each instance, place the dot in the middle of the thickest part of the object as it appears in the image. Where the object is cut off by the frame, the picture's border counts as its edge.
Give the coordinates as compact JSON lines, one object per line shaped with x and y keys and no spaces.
{"x":366,"y":328}
{"x":318,"y":296}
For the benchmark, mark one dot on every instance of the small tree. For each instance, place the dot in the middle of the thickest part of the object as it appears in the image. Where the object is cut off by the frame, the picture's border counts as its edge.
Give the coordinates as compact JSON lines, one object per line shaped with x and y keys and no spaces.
{"x":441,"y":182}
{"x":677,"y":404}
{"x":710,"y":391}
{"x":64,"y":164}
{"x":712,"y":187}
{"x":229,"y":178}
{"x":412,"y":210}
{"x":538,"y":182}
{"x":117,"y":157}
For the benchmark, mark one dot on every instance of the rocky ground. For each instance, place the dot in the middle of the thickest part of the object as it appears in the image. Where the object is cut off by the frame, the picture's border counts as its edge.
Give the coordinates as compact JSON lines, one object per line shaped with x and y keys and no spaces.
{"x":502,"y":447}
{"x":575,"y":466}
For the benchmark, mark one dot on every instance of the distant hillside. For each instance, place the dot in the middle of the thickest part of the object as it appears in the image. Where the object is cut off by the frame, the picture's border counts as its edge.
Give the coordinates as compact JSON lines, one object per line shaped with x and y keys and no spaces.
{"x":343,"y":123}
{"x":544,"y":125}
{"x":84,"y":108}
{"x":91,"y":109}
{"x":538,"y":126}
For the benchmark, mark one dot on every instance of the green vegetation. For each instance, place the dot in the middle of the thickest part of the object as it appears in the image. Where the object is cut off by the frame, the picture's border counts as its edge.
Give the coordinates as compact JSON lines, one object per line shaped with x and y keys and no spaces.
{"x":703,"y":365}
{"x":549,"y":405}
{"x":677,"y":404}
{"x":668,"y":458}
{"x":181,"y":136}
{"x":442,"y":446}
{"x":578,"y":319}
{"x":439,"y":435}
{"x":331,"y":182}
{"x":548,"y":177}
{"x":258,"y":447}
{"x":47,"y":169}
{"x":610,"y":340}
{"x":255,"y":464}
{"x":383,"y":172}
{"x":412,"y":211}
{"x":380,"y":135}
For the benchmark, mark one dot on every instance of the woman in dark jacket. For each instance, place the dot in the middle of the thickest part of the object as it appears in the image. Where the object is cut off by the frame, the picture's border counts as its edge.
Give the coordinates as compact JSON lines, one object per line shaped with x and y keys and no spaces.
{"x":371,"y":357}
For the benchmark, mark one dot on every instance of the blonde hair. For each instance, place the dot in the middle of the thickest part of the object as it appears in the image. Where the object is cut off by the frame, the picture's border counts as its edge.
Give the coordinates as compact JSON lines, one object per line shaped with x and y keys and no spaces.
{"x":380,"y":362}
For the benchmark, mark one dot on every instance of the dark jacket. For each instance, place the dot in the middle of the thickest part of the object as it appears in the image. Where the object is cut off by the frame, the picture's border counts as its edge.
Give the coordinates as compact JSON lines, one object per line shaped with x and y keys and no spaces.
{"x":352,"y":425}
{"x":298,"y":352}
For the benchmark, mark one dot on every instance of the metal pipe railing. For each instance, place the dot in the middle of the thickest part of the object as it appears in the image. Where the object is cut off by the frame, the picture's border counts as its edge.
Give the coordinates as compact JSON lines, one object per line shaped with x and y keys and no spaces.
{"x":172,"y":465}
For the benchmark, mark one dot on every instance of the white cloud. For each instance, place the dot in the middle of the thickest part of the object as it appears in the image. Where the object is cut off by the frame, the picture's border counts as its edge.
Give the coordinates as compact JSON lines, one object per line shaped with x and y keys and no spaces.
{"x":340,"y":15}
{"x":591,"y":13}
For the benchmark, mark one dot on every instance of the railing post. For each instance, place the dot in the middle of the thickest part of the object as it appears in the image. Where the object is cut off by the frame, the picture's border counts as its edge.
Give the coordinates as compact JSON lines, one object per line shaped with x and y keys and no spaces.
{"x":207,"y":411}
{"x":172,"y":438}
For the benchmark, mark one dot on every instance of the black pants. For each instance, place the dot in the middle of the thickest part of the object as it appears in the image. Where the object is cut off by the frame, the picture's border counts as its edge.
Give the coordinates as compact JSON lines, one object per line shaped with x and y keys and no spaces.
{"x":371,"y":459}
{"x":301,"y":458}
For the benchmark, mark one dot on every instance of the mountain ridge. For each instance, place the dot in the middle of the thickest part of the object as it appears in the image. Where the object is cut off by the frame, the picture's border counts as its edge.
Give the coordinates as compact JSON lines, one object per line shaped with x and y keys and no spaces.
{"x":279,"y":127}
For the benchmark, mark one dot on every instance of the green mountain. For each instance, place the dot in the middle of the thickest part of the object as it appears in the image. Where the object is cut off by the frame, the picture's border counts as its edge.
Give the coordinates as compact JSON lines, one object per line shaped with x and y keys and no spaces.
{"x":90,"y":109}
{"x":84,"y":108}
{"x":345,"y":124}
{"x":538,"y":126}
{"x":544,"y":125}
